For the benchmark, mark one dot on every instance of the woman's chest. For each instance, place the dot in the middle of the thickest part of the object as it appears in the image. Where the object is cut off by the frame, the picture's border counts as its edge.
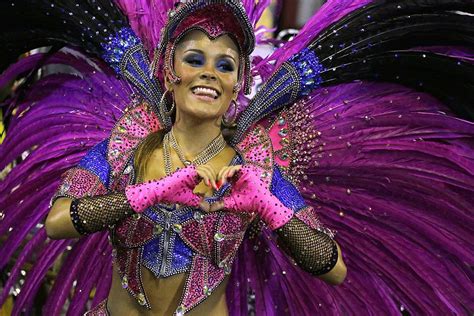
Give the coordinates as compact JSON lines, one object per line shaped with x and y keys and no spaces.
{"x":167,"y":237}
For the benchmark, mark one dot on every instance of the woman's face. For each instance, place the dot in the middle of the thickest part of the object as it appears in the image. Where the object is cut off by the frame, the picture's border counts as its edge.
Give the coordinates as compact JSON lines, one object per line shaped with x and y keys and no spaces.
{"x":208,"y":71}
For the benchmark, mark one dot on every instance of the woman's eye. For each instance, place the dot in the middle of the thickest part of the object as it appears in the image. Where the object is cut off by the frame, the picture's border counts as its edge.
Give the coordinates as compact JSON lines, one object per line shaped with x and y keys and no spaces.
{"x":194,"y":60}
{"x":225,"y":66}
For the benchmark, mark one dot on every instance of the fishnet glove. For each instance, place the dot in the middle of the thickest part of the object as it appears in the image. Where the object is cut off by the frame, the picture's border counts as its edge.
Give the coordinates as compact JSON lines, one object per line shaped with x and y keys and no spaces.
{"x":96,"y":213}
{"x":313,"y":250}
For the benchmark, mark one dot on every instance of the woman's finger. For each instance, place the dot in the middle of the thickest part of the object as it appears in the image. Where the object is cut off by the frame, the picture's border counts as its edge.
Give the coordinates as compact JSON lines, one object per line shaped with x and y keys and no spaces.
{"x":221,"y":172}
{"x":231,"y":172}
{"x":225,"y":175}
{"x":211,"y":174}
{"x":234,"y":170}
{"x":206,"y":176}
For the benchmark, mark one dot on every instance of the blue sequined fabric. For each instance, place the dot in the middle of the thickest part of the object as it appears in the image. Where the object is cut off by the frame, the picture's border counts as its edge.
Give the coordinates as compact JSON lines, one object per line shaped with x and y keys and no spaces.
{"x":286,"y":192}
{"x":117,"y":45}
{"x":166,"y":254}
{"x":96,"y":162}
{"x":125,"y":53}
{"x":293,"y":80}
{"x":309,"y":68}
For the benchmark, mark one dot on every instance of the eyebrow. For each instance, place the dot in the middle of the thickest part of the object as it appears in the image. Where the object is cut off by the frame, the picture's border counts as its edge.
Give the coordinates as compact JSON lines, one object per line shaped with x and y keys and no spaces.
{"x":201,"y":52}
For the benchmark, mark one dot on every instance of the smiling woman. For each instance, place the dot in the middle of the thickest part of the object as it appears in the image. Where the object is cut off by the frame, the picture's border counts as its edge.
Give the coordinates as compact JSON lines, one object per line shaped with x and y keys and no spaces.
{"x":354,"y":125}
{"x":188,"y":178}
{"x":208,"y":69}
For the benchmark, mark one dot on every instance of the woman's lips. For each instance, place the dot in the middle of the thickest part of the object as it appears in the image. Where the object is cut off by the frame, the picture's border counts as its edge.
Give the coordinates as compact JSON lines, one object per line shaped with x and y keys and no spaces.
{"x":204,"y":97}
{"x":205,"y":93}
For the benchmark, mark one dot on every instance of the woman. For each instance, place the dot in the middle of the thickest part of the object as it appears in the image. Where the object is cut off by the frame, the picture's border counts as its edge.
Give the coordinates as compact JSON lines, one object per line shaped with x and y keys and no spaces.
{"x":208,"y":67}
{"x":344,"y":125}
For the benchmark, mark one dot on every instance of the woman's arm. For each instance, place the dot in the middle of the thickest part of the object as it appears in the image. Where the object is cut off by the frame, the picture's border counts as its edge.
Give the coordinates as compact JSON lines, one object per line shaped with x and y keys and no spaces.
{"x":72,"y":218}
{"x":314,"y":250}
{"x":58,"y":223}
{"x":311,"y":246}
{"x":337,"y":275}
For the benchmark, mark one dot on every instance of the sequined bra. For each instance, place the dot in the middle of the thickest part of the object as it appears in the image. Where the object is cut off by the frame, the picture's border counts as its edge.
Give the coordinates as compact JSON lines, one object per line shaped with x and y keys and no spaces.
{"x":167,"y":253}
{"x":169,"y":240}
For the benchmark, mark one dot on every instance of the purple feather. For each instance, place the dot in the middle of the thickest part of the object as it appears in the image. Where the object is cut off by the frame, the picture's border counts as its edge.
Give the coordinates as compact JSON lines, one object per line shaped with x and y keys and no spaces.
{"x":59,"y":118}
{"x":395,"y":179}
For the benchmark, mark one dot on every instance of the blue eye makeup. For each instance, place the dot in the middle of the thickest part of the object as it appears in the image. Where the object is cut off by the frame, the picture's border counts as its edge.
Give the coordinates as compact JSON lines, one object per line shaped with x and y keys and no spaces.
{"x":195,"y":60}
{"x":225,"y":65}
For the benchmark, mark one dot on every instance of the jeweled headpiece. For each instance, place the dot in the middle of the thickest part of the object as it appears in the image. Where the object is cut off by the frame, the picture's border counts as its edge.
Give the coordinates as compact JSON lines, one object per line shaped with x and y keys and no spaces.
{"x":215,"y":18}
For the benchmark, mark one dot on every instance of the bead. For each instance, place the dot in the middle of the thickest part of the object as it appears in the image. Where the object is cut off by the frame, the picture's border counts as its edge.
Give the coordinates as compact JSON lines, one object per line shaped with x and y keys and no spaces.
{"x":141,"y":299}
{"x":157,"y":230}
{"x":124,"y":282}
{"x":219,"y":237}
{"x":180,"y":310}
{"x":177,"y":228}
{"x":206,"y":290}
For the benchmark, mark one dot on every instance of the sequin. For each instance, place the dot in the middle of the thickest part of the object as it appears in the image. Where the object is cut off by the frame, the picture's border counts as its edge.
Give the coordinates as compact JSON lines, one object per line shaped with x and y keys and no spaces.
{"x":117,"y":45}
{"x":95,"y":161}
{"x":141,"y":299}
{"x":198,"y":216}
{"x":283,"y":132}
{"x":286,"y":192}
{"x":124,"y":282}
{"x":177,"y":228}
{"x":157,"y":229}
{"x":218,"y":237}
{"x":206,"y":290}
{"x":180,"y":310}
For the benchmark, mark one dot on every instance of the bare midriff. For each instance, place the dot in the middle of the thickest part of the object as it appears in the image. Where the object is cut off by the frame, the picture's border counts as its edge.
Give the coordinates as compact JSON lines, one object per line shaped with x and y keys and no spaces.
{"x":164,"y":296}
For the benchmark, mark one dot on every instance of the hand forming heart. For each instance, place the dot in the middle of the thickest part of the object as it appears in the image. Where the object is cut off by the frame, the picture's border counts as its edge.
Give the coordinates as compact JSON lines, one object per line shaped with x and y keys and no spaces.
{"x":176,"y":188}
{"x":249,"y":194}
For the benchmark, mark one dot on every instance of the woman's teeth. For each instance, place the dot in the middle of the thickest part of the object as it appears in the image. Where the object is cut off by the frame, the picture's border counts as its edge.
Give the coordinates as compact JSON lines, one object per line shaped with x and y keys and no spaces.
{"x":206,"y":92}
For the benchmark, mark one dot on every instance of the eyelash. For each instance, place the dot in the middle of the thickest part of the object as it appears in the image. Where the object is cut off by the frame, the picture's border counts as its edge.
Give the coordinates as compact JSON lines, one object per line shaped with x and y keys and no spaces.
{"x":193,"y":61}
{"x":223,"y":65}
{"x":227,"y":66}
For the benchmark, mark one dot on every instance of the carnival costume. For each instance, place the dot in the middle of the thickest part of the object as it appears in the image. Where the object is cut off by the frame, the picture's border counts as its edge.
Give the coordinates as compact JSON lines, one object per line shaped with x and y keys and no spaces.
{"x":363,"y":121}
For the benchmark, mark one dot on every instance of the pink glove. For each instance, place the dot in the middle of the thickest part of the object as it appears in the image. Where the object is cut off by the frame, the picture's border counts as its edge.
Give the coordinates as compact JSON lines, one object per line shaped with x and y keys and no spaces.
{"x":250,"y":195}
{"x":175,"y":188}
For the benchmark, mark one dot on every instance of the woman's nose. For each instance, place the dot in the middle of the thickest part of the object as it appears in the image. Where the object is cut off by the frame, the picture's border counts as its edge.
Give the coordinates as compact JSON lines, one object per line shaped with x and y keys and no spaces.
{"x":208,"y":74}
